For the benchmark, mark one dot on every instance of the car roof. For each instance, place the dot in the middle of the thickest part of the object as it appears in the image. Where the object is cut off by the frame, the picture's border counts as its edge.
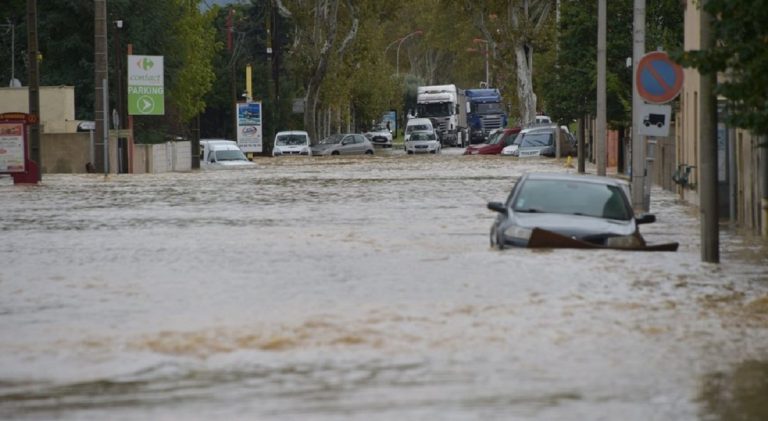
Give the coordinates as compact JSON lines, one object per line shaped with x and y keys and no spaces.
{"x":575,"y":177}
{"x":294,"y":132}
{"x":419,"y":121}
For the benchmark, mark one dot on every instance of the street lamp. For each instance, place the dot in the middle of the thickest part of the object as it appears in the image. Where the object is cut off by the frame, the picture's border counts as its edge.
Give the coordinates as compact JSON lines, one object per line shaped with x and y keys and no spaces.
{"x":484,"y":42}
{"x":14,"y":83}
{"x":417,"y":32}
{"x":117,"y":115}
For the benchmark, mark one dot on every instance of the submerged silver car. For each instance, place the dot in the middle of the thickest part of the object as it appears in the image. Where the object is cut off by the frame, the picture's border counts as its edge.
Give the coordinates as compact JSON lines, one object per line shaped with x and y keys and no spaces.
{"x":343,"y":144}
{"x":566,"y":210}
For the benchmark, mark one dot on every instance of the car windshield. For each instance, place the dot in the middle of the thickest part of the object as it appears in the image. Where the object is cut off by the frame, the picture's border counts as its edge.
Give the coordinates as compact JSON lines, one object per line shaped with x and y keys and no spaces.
{"x":438,"y":109}
{"x":487,"y":108}
{"x":333,"y":139}
{"x":230,"y":155}
{"x":291,"y":140}
{"x":494,"y":137}
{"x":416,"y":127}
{"x":572,"y":198}
{"x":423,"y":136}
{"x":534,"y":139}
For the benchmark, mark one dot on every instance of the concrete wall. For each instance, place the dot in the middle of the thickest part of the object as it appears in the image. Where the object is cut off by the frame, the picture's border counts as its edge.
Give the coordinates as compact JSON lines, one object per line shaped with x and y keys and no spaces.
{"x":68,"y":153}
{"x":57,"y":106}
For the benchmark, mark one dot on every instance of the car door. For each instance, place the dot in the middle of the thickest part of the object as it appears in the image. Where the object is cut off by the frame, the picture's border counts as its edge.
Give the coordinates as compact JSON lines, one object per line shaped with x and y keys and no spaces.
{"x":347,"y":145}
{"x":360,"y":144}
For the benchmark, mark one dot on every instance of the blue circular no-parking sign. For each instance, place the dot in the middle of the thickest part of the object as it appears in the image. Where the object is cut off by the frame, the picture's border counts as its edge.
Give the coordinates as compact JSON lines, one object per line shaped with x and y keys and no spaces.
{"x":658,"y":78}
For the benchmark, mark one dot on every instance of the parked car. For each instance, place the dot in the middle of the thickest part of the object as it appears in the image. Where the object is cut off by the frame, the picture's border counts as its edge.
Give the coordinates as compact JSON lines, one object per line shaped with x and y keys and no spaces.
{"x":343,"y":144}
{"x":380,"y":135}
{"x":224,"y":155}
{"x":423,"y":142}
{"x":540,"y":141}
{"x":496,"y":142}
{"x":294,"y":142}
{"x":205,"y":145}
{"x":567,"y":210}
{"x":417,"y":125}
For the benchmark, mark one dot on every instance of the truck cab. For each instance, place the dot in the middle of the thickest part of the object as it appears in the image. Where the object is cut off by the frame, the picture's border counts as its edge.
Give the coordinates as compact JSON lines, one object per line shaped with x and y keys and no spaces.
{"x":485,"y":113}
{"x":445,"y":105}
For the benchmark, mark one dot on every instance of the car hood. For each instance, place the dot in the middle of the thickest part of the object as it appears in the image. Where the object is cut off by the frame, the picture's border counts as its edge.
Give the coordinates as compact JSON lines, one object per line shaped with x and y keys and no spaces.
{"x":291,"y":147}
{"x":421,"y":142}
{"x":574,"y":226}
{"x":231,"y":164}
{"x":484,"y":149}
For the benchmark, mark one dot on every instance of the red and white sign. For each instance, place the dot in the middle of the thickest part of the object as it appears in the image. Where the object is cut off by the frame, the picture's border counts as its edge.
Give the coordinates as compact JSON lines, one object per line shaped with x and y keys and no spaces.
{"x":658,"y":78}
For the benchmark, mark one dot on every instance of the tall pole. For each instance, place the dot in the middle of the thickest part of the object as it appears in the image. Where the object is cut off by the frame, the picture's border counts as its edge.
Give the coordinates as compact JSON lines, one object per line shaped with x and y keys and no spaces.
{"x":34,"y":86}
{"x":100,"y":75}
{"x":601,"y":96}
{"x":398,"y":48}
{"x":710,"y":231}
{"x":638,"y":141}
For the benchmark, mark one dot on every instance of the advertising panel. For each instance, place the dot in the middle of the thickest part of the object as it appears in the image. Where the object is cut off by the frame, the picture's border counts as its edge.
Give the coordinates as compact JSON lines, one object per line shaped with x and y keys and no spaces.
{"x":249,"y":136}
{"x":12,"y":147}
{"x":146,"y":94}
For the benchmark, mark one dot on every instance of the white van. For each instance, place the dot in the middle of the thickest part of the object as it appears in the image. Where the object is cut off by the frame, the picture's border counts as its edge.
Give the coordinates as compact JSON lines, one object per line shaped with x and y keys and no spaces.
{"x":418,"y":125}
{"x":293,"y":142}
{"x":222,"y":154}
{"x":205,"y":144}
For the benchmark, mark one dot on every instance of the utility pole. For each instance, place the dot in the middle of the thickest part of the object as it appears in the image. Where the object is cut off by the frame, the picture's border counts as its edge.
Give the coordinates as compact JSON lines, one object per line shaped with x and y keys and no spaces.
{"x":709,"y":219}
{"x":100,"y":76}
{"x":34,"y":87}
{"x":638,"y":141}
{"x":601,"y":96}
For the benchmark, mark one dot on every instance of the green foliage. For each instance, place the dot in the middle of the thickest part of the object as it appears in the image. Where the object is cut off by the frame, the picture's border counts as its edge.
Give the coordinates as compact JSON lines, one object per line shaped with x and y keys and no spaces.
{"x":740,"y":53}
{"x":571,"y":90}
{"x":193,"y":77}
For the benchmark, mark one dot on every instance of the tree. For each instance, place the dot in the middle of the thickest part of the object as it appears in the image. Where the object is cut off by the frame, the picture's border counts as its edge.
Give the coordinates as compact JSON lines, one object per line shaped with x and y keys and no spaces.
{"x":517,"y":26}
{"x":317,"y":43}
{"x":740,"y":53}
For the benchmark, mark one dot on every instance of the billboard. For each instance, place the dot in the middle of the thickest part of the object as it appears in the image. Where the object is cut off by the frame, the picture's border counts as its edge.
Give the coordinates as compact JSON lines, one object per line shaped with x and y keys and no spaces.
{"x":12,"y":147}
{"x":146,"y":93}
{"x":249,"y":136}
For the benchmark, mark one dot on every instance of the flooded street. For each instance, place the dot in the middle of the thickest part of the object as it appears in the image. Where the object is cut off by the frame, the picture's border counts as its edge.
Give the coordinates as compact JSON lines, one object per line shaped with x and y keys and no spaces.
{"x":361,"y":288}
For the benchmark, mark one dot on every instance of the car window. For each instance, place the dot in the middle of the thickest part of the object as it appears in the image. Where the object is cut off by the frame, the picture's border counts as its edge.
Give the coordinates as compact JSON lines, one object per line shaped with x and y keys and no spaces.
{"x":416,"y":127}
{"x":230,"y":155}
{"x":536,"y":139}
{"x":331,"y":139}
{"x":572,"y":198}
{"x":359,"y":138}
{"x":291,"y":140}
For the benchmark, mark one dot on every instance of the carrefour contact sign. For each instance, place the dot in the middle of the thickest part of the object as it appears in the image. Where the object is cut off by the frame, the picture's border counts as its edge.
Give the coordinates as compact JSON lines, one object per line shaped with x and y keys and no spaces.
{"x":145,"y":85}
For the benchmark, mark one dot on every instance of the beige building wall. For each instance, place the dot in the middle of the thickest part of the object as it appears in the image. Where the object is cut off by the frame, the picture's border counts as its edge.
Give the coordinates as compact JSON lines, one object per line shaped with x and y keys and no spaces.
{"x":746,"y":152}
{"x":57,"y":106}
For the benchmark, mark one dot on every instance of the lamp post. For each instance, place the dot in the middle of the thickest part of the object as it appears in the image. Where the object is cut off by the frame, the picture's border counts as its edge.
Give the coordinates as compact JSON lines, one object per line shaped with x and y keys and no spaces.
{"x":417,"y":32}
{"x":487,"y":73}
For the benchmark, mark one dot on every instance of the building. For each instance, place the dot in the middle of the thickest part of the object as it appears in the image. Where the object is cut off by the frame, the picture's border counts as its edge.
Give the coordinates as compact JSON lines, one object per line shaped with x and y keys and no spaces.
{"x":739,"y":159}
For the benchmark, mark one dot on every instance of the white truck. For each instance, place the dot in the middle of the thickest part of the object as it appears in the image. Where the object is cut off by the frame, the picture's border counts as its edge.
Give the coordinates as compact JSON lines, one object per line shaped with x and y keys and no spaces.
{"x":446,"y":106}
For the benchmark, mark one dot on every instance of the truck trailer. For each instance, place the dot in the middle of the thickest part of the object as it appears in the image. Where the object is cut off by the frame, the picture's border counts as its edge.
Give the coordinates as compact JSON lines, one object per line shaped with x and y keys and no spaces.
{"x":485,"y":113}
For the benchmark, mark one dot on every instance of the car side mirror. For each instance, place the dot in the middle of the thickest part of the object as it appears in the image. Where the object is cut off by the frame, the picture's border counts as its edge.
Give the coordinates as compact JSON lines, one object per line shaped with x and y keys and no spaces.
{"x":497,"y":207}
{"x":647,"y":218}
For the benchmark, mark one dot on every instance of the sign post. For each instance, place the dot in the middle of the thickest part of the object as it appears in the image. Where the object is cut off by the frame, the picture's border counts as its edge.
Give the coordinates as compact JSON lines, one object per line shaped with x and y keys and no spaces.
{"x":658,"y":80}
{"x":14,"y":148}
{"x":249,"y":132}
{"x":146,"y":93}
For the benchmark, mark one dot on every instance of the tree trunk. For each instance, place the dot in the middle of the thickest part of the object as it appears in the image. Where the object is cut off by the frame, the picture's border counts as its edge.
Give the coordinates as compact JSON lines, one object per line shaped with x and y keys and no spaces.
{"x":524,"y":61}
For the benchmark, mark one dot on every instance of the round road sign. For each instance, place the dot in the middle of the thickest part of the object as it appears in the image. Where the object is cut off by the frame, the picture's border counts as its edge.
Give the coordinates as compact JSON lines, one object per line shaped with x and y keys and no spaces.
{"x":658,"y":79}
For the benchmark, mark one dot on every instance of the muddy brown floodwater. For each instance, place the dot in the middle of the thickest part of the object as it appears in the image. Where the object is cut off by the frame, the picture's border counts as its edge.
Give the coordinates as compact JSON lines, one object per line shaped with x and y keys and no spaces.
{"x":360,"y":288}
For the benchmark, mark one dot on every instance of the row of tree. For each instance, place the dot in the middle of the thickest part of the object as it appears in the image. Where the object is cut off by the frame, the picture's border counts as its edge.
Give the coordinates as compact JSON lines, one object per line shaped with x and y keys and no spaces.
{"x":341,"y":63}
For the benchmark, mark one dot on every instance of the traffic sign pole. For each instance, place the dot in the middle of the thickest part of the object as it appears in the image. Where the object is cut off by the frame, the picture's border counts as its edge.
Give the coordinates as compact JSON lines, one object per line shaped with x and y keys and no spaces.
{"x":638,"y":142}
